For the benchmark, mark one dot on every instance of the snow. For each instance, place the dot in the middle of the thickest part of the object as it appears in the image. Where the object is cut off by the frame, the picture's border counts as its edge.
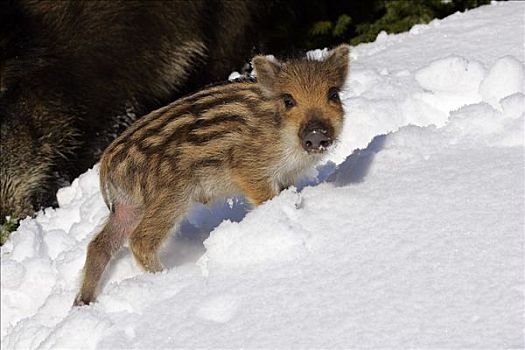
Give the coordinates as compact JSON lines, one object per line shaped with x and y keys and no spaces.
{"x":505,"y":78}
{"x":410,"y":235}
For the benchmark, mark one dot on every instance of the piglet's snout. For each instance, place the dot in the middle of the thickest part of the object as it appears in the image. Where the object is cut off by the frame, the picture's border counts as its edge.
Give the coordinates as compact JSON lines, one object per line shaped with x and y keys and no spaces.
{"x":316,"y":137}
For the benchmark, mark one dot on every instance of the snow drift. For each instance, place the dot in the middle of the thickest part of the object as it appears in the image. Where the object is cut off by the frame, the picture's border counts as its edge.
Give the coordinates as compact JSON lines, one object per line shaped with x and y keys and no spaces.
{"x":410,"y":235}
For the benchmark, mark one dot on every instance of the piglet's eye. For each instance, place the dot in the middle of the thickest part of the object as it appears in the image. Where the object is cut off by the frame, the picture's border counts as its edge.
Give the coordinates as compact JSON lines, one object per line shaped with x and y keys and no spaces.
{"x":288,"y":100}
{"x":333,"y":95}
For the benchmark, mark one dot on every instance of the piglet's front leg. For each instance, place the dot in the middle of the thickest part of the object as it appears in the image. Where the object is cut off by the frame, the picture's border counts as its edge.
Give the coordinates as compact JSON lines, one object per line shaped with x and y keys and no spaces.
{"x":256,"y":191}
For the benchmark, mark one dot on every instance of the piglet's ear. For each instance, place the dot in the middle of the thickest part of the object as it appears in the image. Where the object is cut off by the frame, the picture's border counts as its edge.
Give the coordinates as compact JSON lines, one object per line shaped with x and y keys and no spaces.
{"x":266,"y":70}
{"x":337,"y":63}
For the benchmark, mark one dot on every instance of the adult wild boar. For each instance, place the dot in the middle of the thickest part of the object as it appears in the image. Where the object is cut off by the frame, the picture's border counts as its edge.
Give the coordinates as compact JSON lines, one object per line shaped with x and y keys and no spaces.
{"x":74,"y":74}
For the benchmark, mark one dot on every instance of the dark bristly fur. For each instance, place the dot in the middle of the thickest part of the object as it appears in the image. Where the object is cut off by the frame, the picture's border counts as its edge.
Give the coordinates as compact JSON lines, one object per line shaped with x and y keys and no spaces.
{"x":74,"y":74}
{"x":241,"y":137}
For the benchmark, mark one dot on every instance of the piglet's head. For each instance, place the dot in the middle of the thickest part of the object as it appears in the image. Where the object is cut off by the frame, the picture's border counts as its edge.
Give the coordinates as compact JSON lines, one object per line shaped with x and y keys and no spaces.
{"x":306,"y":92}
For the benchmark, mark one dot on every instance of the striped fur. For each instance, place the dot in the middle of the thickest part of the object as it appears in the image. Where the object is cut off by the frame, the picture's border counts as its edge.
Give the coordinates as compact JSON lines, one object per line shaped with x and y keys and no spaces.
{"x":237,"y":138}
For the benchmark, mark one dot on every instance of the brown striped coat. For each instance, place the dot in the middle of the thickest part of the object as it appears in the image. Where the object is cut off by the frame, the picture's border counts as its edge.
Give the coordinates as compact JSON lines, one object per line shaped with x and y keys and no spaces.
{"x":251,"y":138}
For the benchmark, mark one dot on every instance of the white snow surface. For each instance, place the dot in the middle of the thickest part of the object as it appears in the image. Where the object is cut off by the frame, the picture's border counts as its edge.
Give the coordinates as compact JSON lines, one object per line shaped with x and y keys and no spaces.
{"x":410,"y":235}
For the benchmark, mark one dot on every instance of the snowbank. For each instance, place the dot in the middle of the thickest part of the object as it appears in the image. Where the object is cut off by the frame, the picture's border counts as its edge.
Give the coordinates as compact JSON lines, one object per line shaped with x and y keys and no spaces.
{"x":411,"y":235}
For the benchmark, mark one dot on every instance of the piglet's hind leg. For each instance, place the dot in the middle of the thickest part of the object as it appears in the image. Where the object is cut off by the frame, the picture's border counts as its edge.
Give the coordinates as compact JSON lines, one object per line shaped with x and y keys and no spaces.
{"x":157,"y":222}
{"x":100,"y":250}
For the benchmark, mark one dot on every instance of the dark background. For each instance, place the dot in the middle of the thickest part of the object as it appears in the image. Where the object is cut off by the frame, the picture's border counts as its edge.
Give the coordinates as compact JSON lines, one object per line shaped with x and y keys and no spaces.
{"x":312,"y":24}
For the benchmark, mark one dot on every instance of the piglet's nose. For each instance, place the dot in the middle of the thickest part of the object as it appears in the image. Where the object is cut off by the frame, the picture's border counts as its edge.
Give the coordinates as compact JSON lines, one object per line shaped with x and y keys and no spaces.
{"x":316,"y":140}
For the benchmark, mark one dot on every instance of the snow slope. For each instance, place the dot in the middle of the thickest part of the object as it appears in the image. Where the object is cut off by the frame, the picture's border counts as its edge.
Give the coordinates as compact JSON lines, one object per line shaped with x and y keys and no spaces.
{"x":411,"y":235}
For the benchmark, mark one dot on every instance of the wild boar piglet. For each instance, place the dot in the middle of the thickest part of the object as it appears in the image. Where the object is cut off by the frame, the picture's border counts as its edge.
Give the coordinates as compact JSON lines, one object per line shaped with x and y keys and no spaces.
{"x":252,"y":138}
